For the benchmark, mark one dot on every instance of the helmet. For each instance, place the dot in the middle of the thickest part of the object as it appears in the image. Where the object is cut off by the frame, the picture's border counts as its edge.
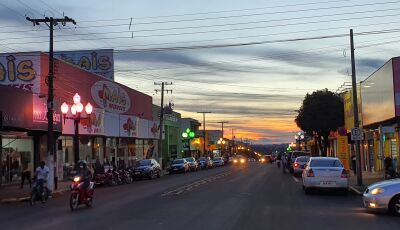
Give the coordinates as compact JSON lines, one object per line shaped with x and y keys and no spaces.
{"x":82,"y":164}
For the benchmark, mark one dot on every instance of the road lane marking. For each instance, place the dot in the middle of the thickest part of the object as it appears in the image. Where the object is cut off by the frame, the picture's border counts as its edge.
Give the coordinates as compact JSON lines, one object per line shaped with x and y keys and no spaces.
{"x":295,"y":179}
{"x":191,"y":186}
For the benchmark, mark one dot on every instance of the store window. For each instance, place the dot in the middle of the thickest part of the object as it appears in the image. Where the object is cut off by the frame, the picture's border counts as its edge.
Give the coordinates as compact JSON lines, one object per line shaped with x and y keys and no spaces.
{"x":16,"y":157}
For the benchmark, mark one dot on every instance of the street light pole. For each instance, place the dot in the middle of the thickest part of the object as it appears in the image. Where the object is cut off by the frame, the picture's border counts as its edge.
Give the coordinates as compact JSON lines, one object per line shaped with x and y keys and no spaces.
{"x":76,"y":110}
{"x":204,"y":130}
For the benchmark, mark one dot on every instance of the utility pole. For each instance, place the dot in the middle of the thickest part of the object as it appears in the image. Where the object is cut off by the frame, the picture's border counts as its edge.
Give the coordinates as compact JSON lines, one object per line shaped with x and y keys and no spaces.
{"x":222,"y":129}
{"x":204,"y":130}
{"x":233,"y":143}
{"x":355,"y":110}
{"x":159,"y":153}
{"x":51,"y":22}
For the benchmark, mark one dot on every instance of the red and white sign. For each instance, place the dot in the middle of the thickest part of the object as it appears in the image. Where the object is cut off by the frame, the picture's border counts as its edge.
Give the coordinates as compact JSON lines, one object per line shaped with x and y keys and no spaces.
{"x":92,"y":126}
{"x":99,"y":62}
{"x":40,"y":114}
{"x":21,"y":70}
{"x":110,"y":97}
{"x":128,"y":126}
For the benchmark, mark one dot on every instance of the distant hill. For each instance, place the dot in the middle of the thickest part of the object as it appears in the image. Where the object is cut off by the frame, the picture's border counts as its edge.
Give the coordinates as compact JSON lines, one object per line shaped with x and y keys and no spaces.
{"x":268,"y":149}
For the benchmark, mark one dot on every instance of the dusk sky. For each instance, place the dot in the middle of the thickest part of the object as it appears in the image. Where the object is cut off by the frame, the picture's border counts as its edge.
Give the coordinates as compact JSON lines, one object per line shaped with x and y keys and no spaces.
{"x":256,"y":76}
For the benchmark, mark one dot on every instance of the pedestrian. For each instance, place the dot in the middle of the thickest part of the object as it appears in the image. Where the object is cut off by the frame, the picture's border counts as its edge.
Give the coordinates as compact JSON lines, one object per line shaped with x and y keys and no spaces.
{"x":353,"y":164}
{"x":26,"y":174}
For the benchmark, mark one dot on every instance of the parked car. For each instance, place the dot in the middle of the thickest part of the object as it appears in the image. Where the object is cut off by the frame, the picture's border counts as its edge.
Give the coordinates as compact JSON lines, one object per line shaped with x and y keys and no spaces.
{"x":179,"y":165}
{"x":205,"y":162}
{"x":148,"y":168}
{"x":384,"y":196}
{"x":299,"y":165}
{"x":193,"y":165}
{"x":292,"y":157}
{"x":218,"y":161}
{"x":325,"y":173}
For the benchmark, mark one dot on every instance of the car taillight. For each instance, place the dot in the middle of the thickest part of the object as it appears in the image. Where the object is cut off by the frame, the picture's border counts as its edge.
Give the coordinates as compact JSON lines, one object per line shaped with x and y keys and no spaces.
{"x":344,"y":174}
{"x":310,"y":173}
{"x":296,"y":165}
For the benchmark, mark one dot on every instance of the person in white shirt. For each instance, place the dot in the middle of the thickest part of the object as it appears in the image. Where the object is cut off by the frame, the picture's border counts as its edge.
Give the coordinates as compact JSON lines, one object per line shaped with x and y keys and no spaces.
{"x":42,"y":174}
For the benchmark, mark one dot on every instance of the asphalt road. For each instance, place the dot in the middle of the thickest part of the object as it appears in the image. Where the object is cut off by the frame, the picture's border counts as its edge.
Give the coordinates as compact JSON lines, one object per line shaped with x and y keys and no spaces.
{"x":254,"y":197}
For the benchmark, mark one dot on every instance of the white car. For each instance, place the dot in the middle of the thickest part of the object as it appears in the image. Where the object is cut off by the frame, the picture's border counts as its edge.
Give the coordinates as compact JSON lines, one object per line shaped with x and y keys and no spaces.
{"x":325,"y":173}
{"x":383,"y":195}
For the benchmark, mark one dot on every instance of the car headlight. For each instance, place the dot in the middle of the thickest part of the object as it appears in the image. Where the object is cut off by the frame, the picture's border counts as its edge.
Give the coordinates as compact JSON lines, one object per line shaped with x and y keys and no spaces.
{"x":377,"y":191}
{"x":235,"y":161}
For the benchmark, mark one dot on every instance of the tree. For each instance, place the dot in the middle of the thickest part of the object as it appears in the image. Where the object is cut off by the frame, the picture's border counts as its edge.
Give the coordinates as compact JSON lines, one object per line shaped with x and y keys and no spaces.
{"x":321,"y":112}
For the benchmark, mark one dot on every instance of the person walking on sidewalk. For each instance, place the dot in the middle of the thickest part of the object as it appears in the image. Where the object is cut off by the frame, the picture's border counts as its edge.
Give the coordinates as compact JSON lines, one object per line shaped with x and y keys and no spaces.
{"x":26,"y":174}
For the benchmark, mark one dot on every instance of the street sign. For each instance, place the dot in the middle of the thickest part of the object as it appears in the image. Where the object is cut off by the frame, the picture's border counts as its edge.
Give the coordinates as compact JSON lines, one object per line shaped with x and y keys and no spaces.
{"x":356,"y":134}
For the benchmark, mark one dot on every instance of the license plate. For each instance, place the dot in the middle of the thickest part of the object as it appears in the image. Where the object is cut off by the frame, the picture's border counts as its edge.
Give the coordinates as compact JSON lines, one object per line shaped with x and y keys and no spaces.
{"x":327,"y":183}
{"x":175,"y":169}
{"x":137,"y":173}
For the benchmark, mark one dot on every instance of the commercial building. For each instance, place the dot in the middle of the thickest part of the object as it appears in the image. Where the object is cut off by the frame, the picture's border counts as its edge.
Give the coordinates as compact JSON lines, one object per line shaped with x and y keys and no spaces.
{"x":120,"y":130}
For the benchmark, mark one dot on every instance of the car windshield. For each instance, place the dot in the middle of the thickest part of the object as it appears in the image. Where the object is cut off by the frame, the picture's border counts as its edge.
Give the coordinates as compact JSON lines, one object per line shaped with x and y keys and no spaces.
{"x":190,"y":159}
{"x":202,"y":159}
{"x":143,"y":163}
{"x":179,"y":161}
{"x":217,"y":158}
{"x":325,"y":163}
{"x":302,"y":159}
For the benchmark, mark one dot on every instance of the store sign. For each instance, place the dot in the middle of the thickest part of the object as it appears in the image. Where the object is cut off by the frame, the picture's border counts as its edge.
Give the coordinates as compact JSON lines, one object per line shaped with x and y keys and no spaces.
{"x":21,"y":71}
{"x":99,"y":62}
{"x":154,"y":130}
{"x":40,"y":114}
{"x":110,"y":96}
{"x":342,"y":151}
{"x":128,"y":126}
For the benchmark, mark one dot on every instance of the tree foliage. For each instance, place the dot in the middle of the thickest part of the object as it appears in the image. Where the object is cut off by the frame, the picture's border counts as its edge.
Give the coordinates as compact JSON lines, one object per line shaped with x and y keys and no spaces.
{"x":320,"y":113}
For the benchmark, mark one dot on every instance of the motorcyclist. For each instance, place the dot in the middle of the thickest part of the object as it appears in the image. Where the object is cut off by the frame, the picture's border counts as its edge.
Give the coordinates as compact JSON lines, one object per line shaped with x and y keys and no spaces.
{"x":85,"y":174}
{"x":42,"y":175}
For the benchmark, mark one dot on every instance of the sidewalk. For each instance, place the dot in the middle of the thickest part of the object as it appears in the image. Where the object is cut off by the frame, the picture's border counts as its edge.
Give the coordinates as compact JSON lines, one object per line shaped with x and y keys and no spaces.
{"x":367,"y":179}
{"x":13,"y":193}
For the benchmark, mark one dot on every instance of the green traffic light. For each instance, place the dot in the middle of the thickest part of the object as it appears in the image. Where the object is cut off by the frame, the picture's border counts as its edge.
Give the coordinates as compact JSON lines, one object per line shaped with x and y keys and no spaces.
{"x":184,"y":135}
{"x":187,"y":130}
{"x":191,"y":134}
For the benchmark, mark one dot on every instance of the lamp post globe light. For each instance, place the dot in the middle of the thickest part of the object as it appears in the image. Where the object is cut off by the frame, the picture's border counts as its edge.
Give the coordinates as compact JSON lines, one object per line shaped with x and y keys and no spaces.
{"x":221,"y":143}
{"x":76,"y":110}
{"x":188,"y":135}
{"x":299,"y":138}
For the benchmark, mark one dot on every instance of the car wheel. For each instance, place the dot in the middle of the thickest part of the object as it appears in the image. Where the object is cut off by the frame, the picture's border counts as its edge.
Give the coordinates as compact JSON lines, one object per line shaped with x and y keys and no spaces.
{"x":158,"y":174}
{"x":151,"y":175}
{"x":394,"y":205}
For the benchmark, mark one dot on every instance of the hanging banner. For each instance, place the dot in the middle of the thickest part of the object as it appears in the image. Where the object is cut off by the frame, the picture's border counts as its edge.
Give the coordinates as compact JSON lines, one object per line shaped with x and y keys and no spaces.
{"x":343,"y":151}
{"x":92,"y":126}
{"x":128,"y":126}
{"x":21,"y":70}
{"x":100,"y":62}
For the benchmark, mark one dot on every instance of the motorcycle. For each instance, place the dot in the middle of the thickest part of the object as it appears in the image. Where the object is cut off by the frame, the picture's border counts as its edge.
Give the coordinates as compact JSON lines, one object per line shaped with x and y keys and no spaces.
{"x":106,"y":178}
{"x":117,"y":177}
{"x":125,"y":176}
{"x":39,"y":193}
{"x":80,"y":195}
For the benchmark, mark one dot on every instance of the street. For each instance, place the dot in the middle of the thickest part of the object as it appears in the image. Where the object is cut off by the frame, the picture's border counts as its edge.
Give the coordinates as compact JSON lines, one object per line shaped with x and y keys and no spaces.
{"x":253,"y":197}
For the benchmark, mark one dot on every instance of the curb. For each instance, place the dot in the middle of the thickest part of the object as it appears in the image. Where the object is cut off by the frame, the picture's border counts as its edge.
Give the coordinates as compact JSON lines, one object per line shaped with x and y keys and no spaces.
{"x":355,"y":190}
{"x":22,"y":199}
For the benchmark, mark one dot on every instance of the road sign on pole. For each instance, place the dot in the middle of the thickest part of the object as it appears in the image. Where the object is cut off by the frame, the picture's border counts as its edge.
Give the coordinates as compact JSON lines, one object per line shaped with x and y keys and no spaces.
{"x":356,"y":134}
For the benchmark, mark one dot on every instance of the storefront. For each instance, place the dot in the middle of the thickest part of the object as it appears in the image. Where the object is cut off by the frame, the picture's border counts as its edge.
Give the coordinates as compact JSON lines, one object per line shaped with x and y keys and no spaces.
{"x":380,"y":93}
{"x":119,"y":131}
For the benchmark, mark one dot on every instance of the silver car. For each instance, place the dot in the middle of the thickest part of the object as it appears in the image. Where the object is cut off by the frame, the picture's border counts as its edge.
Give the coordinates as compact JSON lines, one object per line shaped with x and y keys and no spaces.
{"x":325,"y":173}
{"x":383,"y":195}
{"x":300,"y":164}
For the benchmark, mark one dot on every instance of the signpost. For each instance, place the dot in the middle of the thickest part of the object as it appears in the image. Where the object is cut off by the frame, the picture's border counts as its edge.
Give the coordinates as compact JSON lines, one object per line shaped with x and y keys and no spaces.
{"x":356,"y":134}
